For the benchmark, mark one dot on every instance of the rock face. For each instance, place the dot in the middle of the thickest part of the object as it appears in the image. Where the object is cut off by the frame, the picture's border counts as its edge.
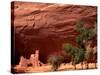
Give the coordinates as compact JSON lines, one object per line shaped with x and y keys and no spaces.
{"x":46,"y":27}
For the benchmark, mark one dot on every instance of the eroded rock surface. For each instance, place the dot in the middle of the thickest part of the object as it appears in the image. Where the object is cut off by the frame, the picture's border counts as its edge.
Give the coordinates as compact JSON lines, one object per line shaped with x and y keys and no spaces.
{"x":46,"y":26}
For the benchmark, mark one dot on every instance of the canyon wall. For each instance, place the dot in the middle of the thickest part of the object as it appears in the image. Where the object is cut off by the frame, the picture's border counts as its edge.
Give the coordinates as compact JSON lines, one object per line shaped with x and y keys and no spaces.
{"x":46,"y":27}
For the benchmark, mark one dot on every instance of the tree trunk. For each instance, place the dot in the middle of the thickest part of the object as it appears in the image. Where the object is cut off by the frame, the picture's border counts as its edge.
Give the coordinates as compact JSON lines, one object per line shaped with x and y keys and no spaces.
{"x":55,"y":67}
{"x":73,"y":63}
{"x":82,"y":65}
{"x":87,"y":66}
{"x":74,"y":66}
{"x":95,"y":65}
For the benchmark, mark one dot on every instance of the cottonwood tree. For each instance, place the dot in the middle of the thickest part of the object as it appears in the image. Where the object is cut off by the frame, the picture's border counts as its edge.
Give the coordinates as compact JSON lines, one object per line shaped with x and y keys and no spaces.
{"x":77,"y":54}
{"x":81,"y":53}
{"x":84,"y":37}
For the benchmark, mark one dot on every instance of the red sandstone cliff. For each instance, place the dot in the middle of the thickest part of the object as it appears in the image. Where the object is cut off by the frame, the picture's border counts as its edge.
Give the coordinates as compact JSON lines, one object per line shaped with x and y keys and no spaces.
{"x":46,"y":26}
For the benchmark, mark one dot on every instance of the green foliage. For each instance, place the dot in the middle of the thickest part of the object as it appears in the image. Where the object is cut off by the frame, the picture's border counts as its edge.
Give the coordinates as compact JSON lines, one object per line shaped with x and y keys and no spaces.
{"x":80,"y":26}
{"x":77,"y":54}
{"x":91,"y":33}
{"x":82,"y":39}
{"x":85,"y":33}
{"x":67,"y":47}
{"x":79,"y":40}
{"x":55,"y":60}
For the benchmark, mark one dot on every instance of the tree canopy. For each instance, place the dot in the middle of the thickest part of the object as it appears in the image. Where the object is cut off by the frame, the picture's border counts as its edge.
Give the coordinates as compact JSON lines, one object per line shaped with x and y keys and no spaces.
{"x":55,"y":61}
{"x":77,"y":54}
{"x":85,"y":34}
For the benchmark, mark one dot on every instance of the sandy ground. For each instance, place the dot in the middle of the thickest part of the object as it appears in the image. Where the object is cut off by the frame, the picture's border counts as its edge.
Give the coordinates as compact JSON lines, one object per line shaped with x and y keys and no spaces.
{"x":47,"y":68}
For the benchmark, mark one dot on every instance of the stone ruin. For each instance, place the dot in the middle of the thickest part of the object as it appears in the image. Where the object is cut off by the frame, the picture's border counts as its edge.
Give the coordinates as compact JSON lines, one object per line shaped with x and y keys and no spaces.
{"x":32,"y":61}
